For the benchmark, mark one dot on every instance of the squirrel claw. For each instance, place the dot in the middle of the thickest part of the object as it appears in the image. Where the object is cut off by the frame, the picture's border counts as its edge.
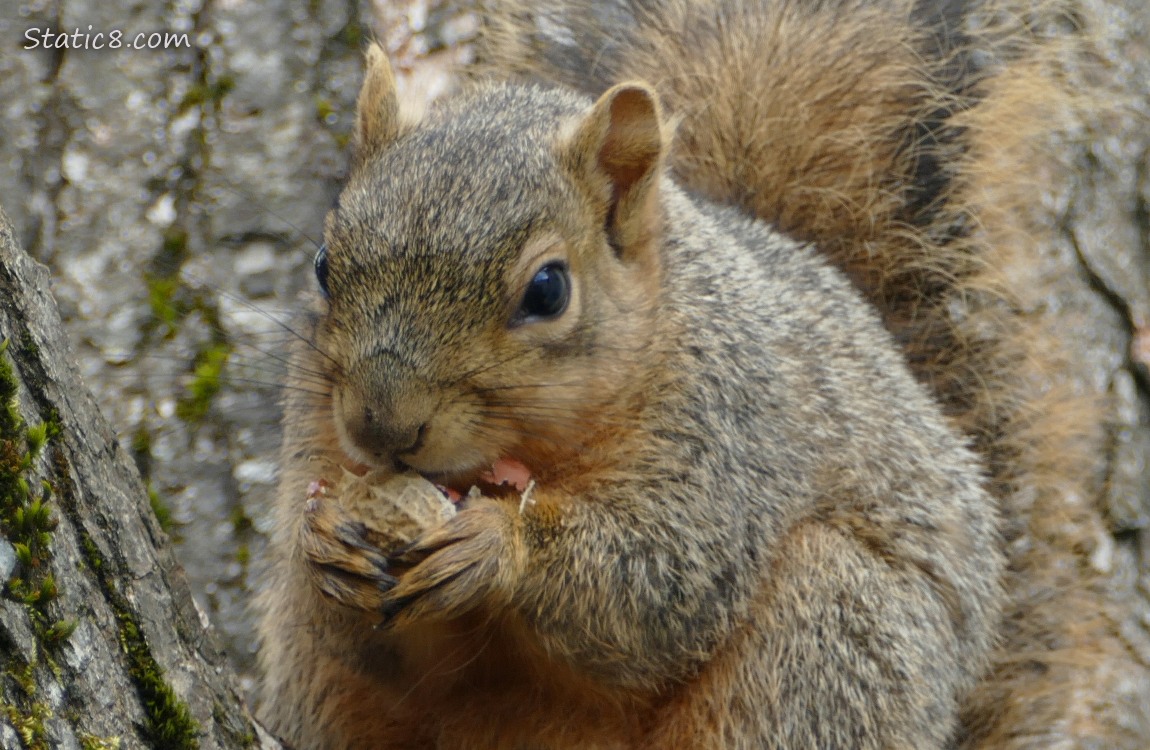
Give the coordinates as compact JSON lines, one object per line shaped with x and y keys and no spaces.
{"x":455,"y":568}
{"x":341,"y":562}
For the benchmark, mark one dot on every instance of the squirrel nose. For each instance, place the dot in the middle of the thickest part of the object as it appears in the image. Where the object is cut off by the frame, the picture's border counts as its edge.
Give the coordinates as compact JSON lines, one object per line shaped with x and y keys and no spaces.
{"x":380,"y":433}
{"x":383,"y":415}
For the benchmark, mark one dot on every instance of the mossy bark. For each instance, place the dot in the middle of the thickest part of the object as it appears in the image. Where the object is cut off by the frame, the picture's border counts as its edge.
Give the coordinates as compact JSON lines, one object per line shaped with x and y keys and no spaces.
{"x":99,"y":638}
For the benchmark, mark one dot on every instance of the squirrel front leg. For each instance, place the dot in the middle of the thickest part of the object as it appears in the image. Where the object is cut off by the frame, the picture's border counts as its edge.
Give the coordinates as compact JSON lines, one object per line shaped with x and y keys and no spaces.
{"x":612,"y":586}
{"x":476,"y":559}
{"x":833,"y":644}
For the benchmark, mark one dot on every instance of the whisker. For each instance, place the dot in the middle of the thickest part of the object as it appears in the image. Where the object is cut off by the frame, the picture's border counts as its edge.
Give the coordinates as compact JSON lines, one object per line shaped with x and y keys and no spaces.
{"x":251,"y":199}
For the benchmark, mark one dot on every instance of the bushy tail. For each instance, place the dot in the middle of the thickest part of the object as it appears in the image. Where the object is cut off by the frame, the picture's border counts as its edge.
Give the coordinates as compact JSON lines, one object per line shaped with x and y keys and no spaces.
{"x":829,"y":119}
{"x":837,"y":121}
{"x":899,"y":137}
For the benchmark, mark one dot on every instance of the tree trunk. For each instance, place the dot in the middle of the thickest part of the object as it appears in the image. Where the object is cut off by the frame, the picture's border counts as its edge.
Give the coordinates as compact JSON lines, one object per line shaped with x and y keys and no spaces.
{"x":1099,"y":204}
{"x":100,"y":641}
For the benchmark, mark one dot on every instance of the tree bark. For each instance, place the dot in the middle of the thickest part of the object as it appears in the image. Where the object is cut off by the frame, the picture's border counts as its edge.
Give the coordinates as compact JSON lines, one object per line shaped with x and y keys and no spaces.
{"x":1098,"y":205}
{"x":100,"y":641}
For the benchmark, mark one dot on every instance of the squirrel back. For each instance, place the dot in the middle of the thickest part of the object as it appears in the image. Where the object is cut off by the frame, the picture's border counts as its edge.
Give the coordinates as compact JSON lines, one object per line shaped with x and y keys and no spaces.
{"x":903,"y":139}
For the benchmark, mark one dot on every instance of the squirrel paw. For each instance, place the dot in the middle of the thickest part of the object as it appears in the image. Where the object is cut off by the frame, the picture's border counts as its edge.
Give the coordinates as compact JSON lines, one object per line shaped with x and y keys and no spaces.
{"x":341,"y":560}
{"x":469,"y":560}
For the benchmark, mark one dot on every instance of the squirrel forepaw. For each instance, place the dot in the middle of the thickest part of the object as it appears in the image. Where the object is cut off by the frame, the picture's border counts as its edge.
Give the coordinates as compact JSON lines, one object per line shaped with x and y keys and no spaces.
{"x":341,"y":561}
{"x":471,"y":560}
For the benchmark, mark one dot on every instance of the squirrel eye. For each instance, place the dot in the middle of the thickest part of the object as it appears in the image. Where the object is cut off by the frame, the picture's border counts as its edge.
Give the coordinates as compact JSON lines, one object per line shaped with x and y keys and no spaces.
{"x":321,"y":269}
{"x":547,"y":294}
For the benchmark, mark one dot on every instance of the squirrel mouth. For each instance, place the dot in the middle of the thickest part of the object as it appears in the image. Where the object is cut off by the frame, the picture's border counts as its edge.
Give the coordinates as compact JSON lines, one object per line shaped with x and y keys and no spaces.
{"x":445,"y":480}
{"x":504,"y":477}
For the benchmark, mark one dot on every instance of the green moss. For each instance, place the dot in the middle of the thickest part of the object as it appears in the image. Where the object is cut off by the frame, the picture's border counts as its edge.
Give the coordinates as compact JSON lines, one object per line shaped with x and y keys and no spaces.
{"x":223,"y":716}
{"x":36,"y":436}
{"x":163,"y":283}
{"x":239,"y":519}
{"x":29,"y":724}
{"x":27,"y":521}
{"x":171,"y":302}
{"x":23,"y":674}
{"x":26,"y":715}
{"x":60,"y":631}
{"x":26,"y":516}
{"x":92,"y":742}
{"x":160,"y":508}
{"x":323,"y":108}
{"x":174,"y":250}
{"x":209,"y":93}
{"x":141,"y":441}
{"x":166,"y":310}
{"x":10,"y":419}
{"x":29,"y":345}
{"x":52,"y":425}
{"x":169,"y":724}
{"x":91,"y":553}
{"x":353,"y":34}
{"x":206,"y":381}
{"x":141,"y":450}
{"x":241,"y":525}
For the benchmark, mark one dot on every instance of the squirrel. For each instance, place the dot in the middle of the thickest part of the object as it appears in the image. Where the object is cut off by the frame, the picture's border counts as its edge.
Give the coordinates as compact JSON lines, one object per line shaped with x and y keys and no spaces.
{"x":732,"y":280}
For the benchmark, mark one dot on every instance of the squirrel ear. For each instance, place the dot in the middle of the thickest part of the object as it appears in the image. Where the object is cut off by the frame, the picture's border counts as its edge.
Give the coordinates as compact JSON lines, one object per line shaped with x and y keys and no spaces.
{"x":623,"y":139}
{"x":377,"y":118}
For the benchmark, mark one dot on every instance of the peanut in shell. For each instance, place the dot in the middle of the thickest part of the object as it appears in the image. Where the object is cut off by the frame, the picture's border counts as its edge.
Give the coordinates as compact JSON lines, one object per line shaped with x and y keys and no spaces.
{"x":395,"y":508}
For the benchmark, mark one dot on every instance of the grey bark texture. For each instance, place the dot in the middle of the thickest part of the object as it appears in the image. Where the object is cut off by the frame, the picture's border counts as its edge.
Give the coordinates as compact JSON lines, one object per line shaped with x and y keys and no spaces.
{"x":151,"y":182}
{"x":100,"y":641}
{"x":1100,"y":204}
{"x":176,"y":194}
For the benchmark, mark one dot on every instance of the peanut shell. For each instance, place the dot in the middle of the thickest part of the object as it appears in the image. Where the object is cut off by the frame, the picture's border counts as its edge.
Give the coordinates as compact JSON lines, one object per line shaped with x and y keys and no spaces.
{"x":395,"y":508}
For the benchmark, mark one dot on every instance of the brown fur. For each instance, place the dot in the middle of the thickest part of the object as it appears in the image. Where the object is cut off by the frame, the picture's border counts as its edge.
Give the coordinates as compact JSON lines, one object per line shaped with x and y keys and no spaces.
{"x":864,"y":128}
{"x":790,"y":115}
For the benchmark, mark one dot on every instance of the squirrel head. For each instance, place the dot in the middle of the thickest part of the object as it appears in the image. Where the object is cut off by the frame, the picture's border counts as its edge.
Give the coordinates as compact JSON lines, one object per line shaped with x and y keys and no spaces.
{"x":492,"y":275}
